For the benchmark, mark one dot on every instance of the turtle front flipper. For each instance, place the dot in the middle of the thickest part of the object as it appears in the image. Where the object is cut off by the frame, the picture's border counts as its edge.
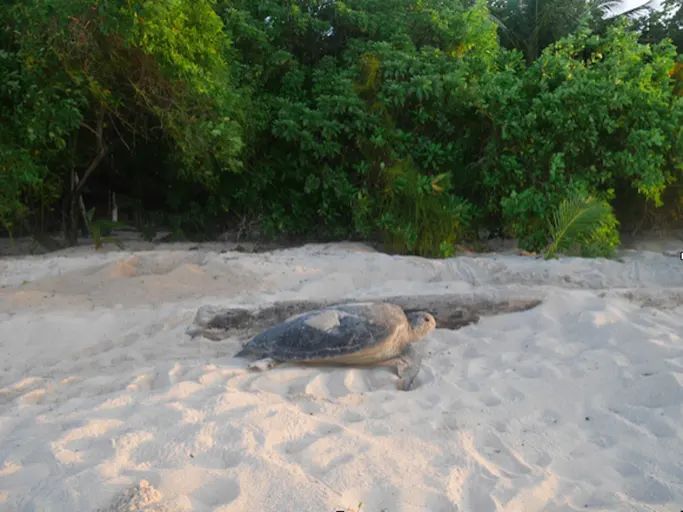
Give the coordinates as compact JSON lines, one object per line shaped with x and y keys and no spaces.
{"x":407,"y":368}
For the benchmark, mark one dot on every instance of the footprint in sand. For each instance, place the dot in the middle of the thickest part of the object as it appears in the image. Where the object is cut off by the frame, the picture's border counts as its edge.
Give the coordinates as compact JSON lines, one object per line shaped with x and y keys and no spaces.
{"x":434,"y":502}
{"x":501,"y":427}
{"x":490,"y":400}
{"x":31,"y":389}
{"x":142,"y":382}
{"x":298,"y":384}
{"x":470,"y":386}
{"x":227,"y":435}
{"x":648,"y":489}
{"x":661,"y":390}
{"x":149,"y":453}
{"x":322,"y":450}
{"x":512,"y":395}
{"x":91,"y":437}
{"x":129,"y":339}
{"x":538,"y":457}
{"x":127,"y":445}
{"x":167,"y":375}
{"x":476,"y":489}
{"x":639,"y":484}
{"x":627,"y":470}
{"x":492,"y":448}
{"x":103,"y":346}
{"x":532,"y":371}
{"x":306,"y":404}
{"x":480,"y":369}
{"x":218,"y":492}
{"x":349,"y":417}
{"x":301,"y":444}
{"x":643,"y":418}
{"x":218,"y":458}
{"x":549,"y":417}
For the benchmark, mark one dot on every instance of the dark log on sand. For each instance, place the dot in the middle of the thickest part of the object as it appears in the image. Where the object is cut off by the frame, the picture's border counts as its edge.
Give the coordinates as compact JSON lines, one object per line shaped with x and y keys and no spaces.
{"x":452,"y":311}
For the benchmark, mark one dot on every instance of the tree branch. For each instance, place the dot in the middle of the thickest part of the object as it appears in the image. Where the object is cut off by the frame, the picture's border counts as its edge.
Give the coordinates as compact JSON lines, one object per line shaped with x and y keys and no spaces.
{"x":91,"y":130}
{"x":113,"y":123}
{"x":101,"y":153}
{"x":93,"y":165}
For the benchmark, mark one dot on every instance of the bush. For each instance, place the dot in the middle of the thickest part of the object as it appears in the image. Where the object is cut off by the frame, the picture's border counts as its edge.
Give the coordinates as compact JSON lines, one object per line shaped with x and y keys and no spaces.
{"x":351,"y":131}
{"x":364,"y":118}
{"x":419,"y":215}
{"x":589,"y":114}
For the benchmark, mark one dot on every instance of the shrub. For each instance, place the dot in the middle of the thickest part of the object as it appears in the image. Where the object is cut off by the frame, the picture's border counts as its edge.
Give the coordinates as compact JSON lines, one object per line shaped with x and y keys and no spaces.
{"x":589,"y":114}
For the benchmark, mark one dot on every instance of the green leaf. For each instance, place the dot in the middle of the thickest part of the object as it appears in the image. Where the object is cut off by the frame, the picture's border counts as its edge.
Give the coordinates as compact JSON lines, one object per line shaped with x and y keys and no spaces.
{"x":574,"y":219}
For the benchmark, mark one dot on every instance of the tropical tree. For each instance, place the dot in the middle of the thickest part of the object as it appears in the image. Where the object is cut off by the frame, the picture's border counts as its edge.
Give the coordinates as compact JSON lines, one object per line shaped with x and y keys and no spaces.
{"x":666,"y":22}
{"x":532,"y":25}
{"x":86,"y":79}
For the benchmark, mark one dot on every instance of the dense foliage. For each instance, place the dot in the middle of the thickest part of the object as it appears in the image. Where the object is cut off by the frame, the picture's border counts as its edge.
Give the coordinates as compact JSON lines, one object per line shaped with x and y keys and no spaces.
{"x":86,"y":80}
{"x":405,"y":119}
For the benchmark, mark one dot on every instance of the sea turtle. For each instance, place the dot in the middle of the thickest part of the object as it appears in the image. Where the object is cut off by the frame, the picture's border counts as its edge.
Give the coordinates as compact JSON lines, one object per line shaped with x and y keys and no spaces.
{"x":348,"y":334}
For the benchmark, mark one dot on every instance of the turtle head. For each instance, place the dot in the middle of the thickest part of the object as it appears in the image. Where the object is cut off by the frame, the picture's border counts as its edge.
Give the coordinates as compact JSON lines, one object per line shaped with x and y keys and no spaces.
{"x":421,"y":323}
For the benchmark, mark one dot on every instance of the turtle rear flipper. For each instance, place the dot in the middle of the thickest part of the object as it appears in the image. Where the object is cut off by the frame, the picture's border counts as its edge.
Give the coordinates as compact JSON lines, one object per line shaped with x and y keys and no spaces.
{"x":263,"y":364}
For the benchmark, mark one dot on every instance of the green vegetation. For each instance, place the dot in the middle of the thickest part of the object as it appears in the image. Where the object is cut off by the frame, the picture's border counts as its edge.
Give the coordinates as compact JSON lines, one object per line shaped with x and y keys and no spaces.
{"x":584,"y":222}
{"x":415,"y":122}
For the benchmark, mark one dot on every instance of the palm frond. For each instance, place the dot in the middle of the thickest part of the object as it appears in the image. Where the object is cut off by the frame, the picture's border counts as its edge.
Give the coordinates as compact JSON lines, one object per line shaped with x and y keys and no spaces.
{"x":610,"y":8}
{"x":575,"y":219}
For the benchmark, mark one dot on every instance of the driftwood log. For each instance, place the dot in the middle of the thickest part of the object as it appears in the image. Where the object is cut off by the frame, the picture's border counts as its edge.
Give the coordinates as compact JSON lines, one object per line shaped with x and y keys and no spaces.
{"x":452,"y":311}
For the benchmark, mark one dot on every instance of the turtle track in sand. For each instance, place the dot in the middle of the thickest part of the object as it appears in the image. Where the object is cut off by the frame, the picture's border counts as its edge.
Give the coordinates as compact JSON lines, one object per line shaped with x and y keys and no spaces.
{"x":452,"y":311}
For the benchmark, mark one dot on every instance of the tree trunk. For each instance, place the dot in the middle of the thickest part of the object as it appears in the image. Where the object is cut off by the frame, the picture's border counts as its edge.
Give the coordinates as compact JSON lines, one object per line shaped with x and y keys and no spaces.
{"x":72,"y":200}
{"x":71,"y":219}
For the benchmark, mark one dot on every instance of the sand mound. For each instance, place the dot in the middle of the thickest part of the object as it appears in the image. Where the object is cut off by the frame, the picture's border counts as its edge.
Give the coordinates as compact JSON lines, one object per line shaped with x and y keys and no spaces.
{"x":138,"y":498}
{"x":140,"y":279}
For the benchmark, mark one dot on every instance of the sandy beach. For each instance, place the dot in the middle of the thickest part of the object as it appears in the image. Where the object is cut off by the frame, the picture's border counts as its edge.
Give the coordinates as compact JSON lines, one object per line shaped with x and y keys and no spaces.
{"x":106,"y":404}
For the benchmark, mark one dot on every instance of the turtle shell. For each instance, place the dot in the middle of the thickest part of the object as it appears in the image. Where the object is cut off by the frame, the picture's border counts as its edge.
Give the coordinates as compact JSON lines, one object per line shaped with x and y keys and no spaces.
{"x":345,"y":334}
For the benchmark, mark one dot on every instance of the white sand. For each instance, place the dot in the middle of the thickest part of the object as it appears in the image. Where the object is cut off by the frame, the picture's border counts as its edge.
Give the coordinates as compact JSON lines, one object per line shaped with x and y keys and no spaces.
{"x":106,"y":404}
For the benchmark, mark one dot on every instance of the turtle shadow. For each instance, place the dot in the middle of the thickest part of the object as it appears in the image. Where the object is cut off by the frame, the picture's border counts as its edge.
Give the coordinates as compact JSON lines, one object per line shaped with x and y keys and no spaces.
{"x":340,"y":379}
